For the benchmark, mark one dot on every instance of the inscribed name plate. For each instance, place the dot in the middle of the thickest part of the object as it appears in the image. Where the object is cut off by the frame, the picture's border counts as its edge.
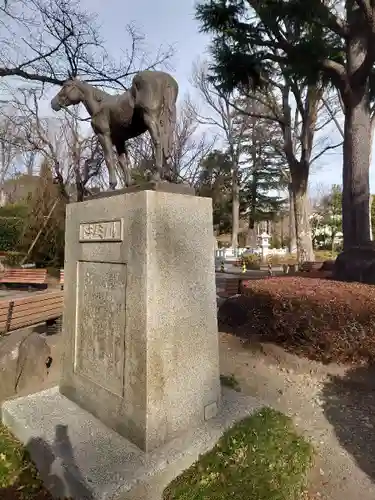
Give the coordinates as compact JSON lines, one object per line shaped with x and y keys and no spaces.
{"x":100,"y":326}
{"x":101,"y":231}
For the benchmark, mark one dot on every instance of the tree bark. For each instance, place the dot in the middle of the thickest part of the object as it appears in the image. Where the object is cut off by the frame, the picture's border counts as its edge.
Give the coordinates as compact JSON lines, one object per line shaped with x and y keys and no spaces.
{"x":372,"y":125}
{"x":357,"y":130}
{"x":235,"y":207}
{"x":299,"y":176}
{"x":371,"y":199}
{"x":292,"y":221}
{"x":299,"y":169}
{"x":251,"y":238}
{"x":356,"y":186}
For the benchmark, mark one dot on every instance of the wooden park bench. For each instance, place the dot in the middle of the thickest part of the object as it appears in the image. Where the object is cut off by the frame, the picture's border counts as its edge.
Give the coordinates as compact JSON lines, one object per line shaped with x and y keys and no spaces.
{"x":25,"y":278}
{"x":37,"y":308}
{"x":62,"y":279}
{"x":310,"y":266}
{"x":232,"y":286}
{"x":311,"y":269}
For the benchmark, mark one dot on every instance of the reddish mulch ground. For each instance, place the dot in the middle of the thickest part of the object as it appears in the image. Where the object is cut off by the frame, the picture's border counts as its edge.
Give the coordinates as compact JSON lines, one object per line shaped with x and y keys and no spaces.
{"x":322,"y":319}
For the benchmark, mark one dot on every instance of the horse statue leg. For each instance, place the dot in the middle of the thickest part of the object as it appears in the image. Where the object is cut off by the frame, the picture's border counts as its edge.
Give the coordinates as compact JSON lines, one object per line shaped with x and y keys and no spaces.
{"x":168,"y":173}
{"x":123,"y":159}
{"x":106,"y":144}
{"x":155,"y":133}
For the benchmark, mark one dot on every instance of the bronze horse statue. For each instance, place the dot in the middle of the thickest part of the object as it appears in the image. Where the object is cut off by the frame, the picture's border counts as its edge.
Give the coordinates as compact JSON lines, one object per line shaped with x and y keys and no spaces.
{"x":149,"y":104}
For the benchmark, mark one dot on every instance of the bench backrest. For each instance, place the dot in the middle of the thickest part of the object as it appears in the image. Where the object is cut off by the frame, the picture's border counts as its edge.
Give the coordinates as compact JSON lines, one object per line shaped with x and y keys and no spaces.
{"x":32,"y":276}
{"x":25,"y":311}
{"x":4,"y":315}
{"x":36,"y":308}
{"x":231,"y":286}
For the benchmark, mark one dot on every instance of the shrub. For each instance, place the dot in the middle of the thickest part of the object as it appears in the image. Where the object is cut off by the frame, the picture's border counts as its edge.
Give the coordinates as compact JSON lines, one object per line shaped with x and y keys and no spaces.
{"x":252,"y":261}
{"x":13,"y":259}
{"x":279,"y":260}
{"x":10,"y":232}
{"x":322,"y":255}
{"x":322,"y":319}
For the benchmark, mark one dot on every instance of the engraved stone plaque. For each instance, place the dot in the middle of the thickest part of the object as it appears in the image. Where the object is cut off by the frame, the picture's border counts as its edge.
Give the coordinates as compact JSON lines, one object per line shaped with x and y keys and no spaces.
{"x":101,"y":231}
{"x":100,"y":324}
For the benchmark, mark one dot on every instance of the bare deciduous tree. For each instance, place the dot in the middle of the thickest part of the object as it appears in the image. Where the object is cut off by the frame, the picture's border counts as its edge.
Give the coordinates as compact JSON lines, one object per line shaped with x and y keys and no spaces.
{"x":302,"y":124}
{"x":10,"y":147}
{"x":76,"y":158}
{"x":190,"y":146}
{"x":224,"y":118}
{"x":49,"y":41}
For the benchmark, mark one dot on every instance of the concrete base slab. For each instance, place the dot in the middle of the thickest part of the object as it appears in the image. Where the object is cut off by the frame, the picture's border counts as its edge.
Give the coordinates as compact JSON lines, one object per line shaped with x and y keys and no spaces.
{"x":80,"y":457}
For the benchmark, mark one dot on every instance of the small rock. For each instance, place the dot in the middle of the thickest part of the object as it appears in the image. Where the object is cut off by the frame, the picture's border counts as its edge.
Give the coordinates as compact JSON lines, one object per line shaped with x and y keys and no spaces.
{"x":24,"y":360}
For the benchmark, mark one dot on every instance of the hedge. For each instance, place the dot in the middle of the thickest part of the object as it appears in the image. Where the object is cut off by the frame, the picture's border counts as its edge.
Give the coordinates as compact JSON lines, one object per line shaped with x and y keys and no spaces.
{"x":322,"y":319}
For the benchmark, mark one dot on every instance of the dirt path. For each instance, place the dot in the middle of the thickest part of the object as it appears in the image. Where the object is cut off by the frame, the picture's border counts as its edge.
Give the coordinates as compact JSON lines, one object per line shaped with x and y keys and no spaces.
{"x":334,"y":408}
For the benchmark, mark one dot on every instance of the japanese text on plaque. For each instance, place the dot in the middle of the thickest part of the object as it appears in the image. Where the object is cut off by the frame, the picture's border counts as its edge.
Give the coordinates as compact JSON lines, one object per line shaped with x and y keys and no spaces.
{"x":101,"y":231}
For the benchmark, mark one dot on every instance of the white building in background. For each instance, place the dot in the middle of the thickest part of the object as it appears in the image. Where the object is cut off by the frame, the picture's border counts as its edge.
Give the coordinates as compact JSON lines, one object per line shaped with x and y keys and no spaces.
{"x":322,"y":233}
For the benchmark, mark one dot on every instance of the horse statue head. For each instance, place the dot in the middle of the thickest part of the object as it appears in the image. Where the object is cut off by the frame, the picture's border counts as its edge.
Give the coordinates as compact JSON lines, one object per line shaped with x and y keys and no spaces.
{"x":69,"y":95}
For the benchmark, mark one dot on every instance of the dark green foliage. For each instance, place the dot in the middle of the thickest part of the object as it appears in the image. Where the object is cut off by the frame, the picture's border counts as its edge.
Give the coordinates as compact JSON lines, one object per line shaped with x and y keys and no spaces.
{"x":46,"y":213}
{"x":261,"y":193}
{"x":251,"y":38}
{"x":215,"y":182}
{"x":12,"y":223}
{"x":328,"y":214}
{"x":251,"y":261}
{"x":13,"y":259}
{"x":265,"y":171}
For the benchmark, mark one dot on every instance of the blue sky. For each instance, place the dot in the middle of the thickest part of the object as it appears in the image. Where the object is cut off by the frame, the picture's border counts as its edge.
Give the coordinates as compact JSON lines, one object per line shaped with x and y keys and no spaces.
{"x":172,"y":22}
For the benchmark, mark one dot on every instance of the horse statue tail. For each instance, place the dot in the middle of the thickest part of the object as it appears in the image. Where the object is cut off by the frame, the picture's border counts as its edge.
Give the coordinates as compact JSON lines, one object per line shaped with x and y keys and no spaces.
{"x":169,"y":118}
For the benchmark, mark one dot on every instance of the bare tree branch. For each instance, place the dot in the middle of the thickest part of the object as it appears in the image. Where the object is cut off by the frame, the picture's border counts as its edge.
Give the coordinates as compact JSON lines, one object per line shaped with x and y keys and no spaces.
{"x":64,"y":41}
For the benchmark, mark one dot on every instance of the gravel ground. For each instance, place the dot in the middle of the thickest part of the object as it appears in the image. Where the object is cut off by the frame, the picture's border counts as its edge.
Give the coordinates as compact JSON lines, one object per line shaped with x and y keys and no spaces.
{"x":332,"y":406}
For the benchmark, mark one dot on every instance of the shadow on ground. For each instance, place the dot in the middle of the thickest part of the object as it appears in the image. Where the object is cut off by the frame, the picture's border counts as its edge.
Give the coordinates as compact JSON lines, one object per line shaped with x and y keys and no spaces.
{"x":349,"y":406}
{"x":47,"y":457}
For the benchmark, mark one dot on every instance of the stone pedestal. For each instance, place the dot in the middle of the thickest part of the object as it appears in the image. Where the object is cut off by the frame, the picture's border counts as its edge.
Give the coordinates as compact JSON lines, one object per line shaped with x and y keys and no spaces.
{"x":140,"y":327}
{"x":139,"y":398}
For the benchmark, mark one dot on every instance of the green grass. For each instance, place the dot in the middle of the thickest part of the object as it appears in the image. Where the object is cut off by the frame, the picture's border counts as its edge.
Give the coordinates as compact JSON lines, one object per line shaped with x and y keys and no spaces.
{"x":260,"y":458}
{"x":19,"y":479}
{"x":230,"y":381}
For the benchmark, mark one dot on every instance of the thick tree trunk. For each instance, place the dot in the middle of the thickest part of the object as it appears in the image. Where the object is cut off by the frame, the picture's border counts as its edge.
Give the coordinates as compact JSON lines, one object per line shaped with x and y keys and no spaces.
{"x":251,"y":238}
{"x":371,"y":199}
{"x":235,"y":207}
{"x":356,"y":188}
{"x":292,"y":221}
{"x":372,"y":125}
{"x":357,"y":131}
{"x":370,"y":216}
{"x":305,"y":249}
{"x":301,"y":213}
